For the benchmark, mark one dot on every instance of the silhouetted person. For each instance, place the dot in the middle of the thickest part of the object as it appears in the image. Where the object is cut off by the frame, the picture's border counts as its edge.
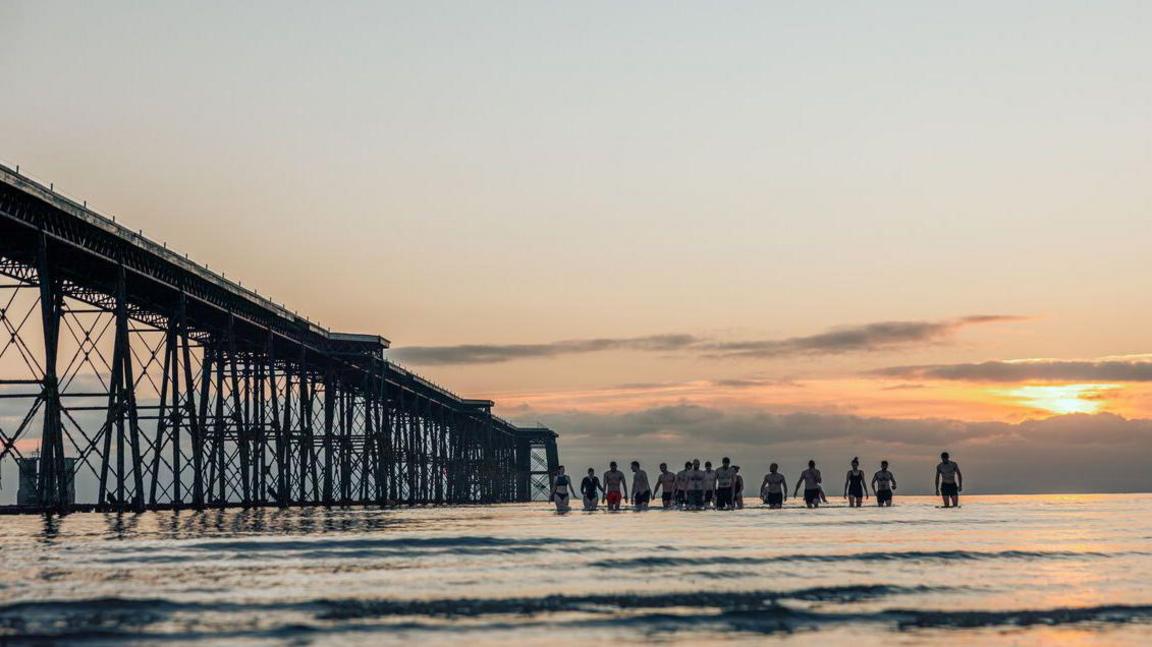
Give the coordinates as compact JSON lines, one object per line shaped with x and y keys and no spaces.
{"x":949,"y":481}
{"x":561,"y":490}
{"x":774,"y":489}
{"x":591,"y":489}
{"x":696,"y":486}
{"x":665,"y":481}
{"x":811,"y":480}
{"x":725,"y":481}
{"x":615,"y":487}
{"x":682,"y":478}
{"x":641,"y":491}
{"x":854,"y":489}
{"x":709,"y":484}
{"x":737,"y":488}
{"x":883,"y":483}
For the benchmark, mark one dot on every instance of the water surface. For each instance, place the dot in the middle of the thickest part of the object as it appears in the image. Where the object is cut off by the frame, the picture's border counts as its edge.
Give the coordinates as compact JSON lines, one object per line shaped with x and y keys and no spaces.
{"x":1016,"y":570}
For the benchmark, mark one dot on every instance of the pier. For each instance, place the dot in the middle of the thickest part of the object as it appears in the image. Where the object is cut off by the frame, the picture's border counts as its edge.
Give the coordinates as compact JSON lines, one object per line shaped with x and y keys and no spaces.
{"x":133,"y":378}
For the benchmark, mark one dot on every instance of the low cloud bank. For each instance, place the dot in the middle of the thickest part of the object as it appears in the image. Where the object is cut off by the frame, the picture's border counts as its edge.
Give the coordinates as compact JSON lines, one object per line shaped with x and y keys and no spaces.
{"x":1053,"y":370}
{"x":877,"y":336}
{"x":1072,"y":453}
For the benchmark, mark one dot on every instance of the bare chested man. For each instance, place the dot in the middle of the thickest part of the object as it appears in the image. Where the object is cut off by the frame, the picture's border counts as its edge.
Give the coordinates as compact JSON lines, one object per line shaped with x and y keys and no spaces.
{"x":615,"y":487}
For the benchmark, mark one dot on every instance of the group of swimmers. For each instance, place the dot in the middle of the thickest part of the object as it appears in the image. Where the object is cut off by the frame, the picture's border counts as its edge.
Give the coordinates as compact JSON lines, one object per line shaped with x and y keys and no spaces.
{"x":723,"y":488}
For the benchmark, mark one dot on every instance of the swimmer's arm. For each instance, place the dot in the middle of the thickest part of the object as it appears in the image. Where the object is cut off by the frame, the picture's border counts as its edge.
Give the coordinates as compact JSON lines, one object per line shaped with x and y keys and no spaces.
{"x":937,"y":479}
{"x":847,"y":477}
{"x":959,"y":480}
{"x":891,"y":478}
{"x":798,"y":482}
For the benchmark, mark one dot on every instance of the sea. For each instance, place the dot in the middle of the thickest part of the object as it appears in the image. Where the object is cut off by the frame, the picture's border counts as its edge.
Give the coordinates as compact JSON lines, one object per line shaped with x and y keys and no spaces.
{"x":1000,"y":570}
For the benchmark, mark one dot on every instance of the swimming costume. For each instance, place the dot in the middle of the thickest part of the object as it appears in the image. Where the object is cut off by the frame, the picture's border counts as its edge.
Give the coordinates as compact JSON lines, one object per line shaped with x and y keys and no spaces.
{"x":614,"y":497}
{"x":883,"y":496}
{"x":775,"y":498}
{"x":812,"y":496}
{"x":949,"y":489}
{"x":724,"y":498}
{"x":856,"y":484}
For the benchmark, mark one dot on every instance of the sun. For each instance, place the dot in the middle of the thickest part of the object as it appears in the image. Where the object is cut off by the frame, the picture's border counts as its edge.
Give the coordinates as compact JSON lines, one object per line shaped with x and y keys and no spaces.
{"x":1063,"y":398}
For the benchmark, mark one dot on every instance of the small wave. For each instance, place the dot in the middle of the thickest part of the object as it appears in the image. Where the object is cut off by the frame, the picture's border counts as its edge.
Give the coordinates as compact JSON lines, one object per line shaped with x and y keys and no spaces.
{"x":378,"y":543}
{"x":879,"y":556}
{"x":473,"y":607}
{"x":1108,"y":614}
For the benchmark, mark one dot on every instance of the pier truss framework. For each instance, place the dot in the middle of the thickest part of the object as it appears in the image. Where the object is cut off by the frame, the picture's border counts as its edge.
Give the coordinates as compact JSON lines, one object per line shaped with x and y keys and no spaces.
{"x":132,"y":378}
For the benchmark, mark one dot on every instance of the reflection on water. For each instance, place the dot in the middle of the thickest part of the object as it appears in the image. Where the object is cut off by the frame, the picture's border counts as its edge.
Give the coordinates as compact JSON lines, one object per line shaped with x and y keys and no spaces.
{"x":1010,"y":570}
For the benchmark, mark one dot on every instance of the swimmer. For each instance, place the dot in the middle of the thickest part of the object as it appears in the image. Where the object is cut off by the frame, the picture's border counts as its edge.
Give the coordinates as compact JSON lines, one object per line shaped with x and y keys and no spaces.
{"x":615,"y":487}
{"x":641,"y":491}
{"x":883,"y":483}
{"x":591,"y":489}
{"x":560,"y":490}
{"x":725,"y":480}
{"x":774,"y":489}
{"x":811,"y":480}
{"x":854,"y":489}
{"x":665,"y":481}
{"x":949,"y":481}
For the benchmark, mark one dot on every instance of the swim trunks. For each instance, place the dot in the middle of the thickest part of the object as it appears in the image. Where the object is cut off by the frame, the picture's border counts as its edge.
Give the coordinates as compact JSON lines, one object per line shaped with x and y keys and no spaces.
{"x":812,"y":496}
{"x":883,"y":496}
{"x":949,"y":489}
{"x":775,"y":498}
{"x":614,"y":497}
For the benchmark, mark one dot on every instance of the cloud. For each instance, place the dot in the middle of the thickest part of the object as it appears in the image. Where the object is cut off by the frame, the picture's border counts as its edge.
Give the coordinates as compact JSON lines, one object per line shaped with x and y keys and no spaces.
{"x":877,"y":336}
{"x":495,"y":353}
{"x":883,"y":335}
{"x":1077,"y":453}
{"x":1048,"y":370}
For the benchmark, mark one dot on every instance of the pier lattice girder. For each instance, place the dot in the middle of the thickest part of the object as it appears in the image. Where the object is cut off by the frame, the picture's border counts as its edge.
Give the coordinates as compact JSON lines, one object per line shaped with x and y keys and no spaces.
{"x":136,"y":376}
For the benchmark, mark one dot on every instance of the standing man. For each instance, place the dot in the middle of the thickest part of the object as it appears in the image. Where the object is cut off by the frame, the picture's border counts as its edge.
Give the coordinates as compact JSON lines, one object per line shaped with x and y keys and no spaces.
{"x":737,"y":488}
{"x":641,"y":491}
{"x":725,"y":479}
{"x":775,"y":487}
{"x":591,"y":489}
{"x":709,"y":484}
{"x":883,"y":482}
{"x":811,"y":479}
{"x":666,"y":481}
{"x":949,"y":481}
{"x":615,"y":487}
{"x":682,"y":485}
{"x":696,"y":486}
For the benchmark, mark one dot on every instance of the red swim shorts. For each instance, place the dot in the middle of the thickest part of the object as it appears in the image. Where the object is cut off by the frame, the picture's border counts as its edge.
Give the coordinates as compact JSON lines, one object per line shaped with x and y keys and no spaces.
{"x":613,"y":497}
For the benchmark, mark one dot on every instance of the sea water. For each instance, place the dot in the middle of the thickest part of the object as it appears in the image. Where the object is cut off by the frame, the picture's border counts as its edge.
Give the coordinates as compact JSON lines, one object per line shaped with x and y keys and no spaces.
{"x":1019,"y":570}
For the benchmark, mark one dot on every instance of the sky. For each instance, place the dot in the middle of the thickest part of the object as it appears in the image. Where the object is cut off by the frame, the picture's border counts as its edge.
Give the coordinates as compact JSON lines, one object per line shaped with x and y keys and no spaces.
{"x":778,"y":231}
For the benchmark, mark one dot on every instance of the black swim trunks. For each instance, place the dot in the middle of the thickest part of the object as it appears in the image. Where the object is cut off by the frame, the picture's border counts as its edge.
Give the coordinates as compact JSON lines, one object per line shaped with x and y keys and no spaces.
{"x":775,"y":498}
{"x":642,"y":498}
{"x":812,"y":496}
{"x":724,"y":499}
{"x":883,"y":496}
{"x":667,"y":498}
{"x":949,"y":489}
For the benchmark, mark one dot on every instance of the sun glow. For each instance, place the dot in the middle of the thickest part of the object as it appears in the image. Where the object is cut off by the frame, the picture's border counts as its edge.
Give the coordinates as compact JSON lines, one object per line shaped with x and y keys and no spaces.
{"x":1063,"y":398}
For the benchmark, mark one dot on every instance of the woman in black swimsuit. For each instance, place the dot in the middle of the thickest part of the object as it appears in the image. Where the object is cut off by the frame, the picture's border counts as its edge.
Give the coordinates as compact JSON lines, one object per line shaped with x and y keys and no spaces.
{"x":854,"y":488}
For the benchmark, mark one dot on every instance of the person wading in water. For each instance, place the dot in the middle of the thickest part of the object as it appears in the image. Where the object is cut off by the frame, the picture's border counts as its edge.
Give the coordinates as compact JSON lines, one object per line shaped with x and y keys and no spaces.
{"x":949,"y":481}
{"x":811,"y":480}
{"x":665,"y":481}
{"x":774,"y":489}
{"x":854,"y":489}
{"x":883,"y":482}
{"x":615,"y":487}
{"x":590,"y":487}
{"x":561,"y":490}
